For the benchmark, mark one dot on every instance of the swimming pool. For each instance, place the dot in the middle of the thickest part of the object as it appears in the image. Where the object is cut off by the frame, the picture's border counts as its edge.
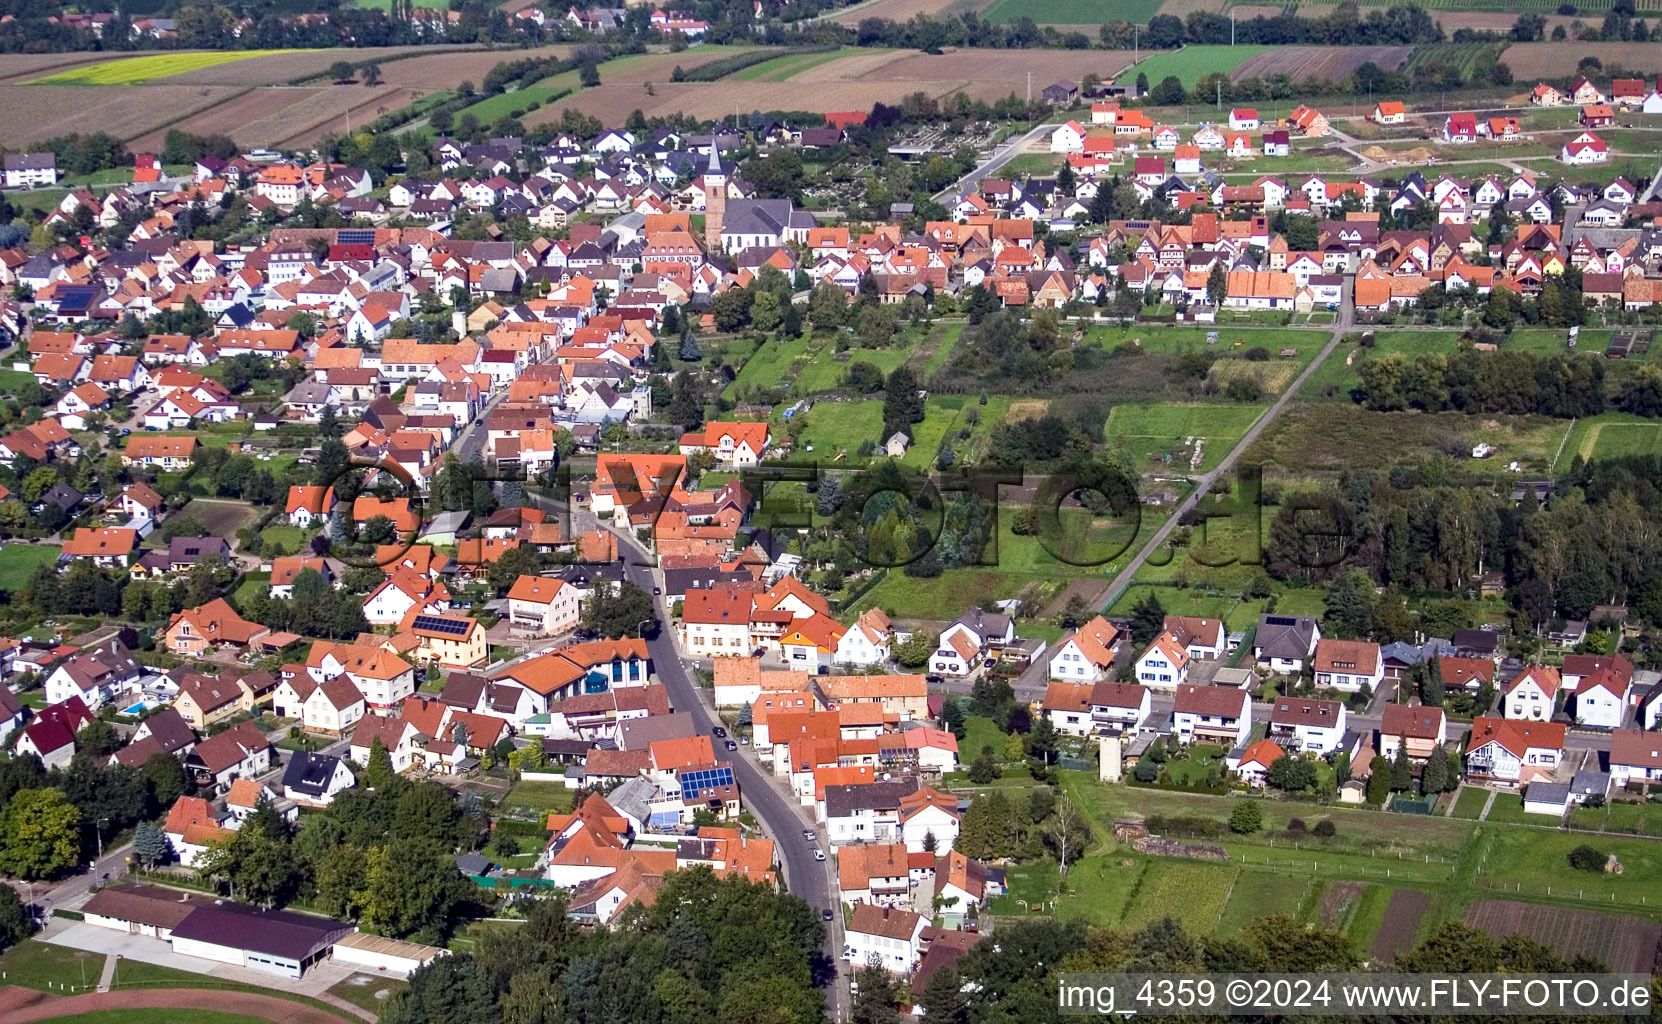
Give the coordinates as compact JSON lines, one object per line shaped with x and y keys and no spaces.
{"x":140,"y":707}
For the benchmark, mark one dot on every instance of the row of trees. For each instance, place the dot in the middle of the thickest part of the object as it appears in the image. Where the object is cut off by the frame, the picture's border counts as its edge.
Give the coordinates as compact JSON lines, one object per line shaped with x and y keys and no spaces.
{"x":704,"y":950}
{"x":1519,"y":383}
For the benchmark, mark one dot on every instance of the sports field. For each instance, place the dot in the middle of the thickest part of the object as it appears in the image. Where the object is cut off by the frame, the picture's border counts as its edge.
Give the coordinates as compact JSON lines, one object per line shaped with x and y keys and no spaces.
{"x":1610,"y":436}
{"x":136,"y":70}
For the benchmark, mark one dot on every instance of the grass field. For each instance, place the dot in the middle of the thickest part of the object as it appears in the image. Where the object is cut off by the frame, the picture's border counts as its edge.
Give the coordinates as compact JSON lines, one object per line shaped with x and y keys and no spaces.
{"x":136,"y":70}
{"x":1260,"y":894}
{"x":43,"y":966}
{"x":781,"y":69}
{"x":1611,"y":435}
{"x":1158,"y":430}
{"x":1191,"y":63}
{"x":18,"y":561}
{"x":368,"y":991}
{"x":544,"y":796}
{"x":979,"y":732}
{"x":1470,"y":803}
{"x":290,"y":537}
{"x":1191,"y":891}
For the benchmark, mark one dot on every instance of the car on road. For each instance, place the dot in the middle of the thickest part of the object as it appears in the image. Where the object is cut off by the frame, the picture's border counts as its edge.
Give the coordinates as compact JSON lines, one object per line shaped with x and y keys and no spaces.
{"x":819,"y":854}
{"x":718,"y":732}
{"x":808,"y":834}
{"x":657,"y":591}
{"x":827,"y":915}
{"x":731,"y":745}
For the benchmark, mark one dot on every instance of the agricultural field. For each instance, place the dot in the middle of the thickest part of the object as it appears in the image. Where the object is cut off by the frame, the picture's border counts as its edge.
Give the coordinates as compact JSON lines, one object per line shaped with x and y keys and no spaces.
{"x":1333,"y":436}
{"x":23,"y":66}
{"x":1072,"y":12}
{"x":239,"y":97}
{"x":1555,"y":60}
{"x":1401,"y":927}
{"x":1191,"y":891}
{"x":1327,"y":63}
{"x":1470,"y":58}
{"x":1191,"y":63}
{"x":903,"y":10}
{"x":1623,"y":943}
{"x":1258,"y":894}
{"x":853,"y":81}
{"x":781,"y":69}
{"x":138,"y":70}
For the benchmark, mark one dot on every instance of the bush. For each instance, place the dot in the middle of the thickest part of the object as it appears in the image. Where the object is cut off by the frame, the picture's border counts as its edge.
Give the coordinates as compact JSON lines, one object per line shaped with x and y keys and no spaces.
{"x":1586,"y":858}
{"x":1296,"y":825}
{"x":1184,"y":825}
{"x":1325,"y":828}
{"x":1246,"y":818}
{"x":1256,"y":354}
{"x":1146,"y":771}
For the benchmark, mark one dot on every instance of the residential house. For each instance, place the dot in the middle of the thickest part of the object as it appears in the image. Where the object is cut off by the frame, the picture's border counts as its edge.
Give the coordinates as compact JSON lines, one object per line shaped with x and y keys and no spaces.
{"x":1164,"y":665}
{"x":1303,"y":724}
{"x":1532,"y":694}
{"x":1087,"y":655}
{"x":1348,"y":665}
{"x":1283,"y":644}
{"x":1219,"y":714}
{"x":1422,"y":729}
{"x":1506,"y":750}
{"x":890,"y":935}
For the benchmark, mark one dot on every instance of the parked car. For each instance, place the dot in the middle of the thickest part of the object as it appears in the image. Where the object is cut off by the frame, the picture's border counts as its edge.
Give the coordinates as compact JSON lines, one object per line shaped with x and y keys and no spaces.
{"x":718,"y":732}
{"x":820,"y":855}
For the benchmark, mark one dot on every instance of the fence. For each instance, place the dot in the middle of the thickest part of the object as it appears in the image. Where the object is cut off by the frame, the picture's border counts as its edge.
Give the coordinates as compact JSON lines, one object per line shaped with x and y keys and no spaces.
{"x":1559,"y":892}
{"x":862,"y":590}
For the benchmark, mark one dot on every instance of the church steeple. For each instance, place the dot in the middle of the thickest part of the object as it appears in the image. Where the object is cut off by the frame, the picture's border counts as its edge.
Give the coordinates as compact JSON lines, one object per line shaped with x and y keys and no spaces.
{"x":715,"y":197}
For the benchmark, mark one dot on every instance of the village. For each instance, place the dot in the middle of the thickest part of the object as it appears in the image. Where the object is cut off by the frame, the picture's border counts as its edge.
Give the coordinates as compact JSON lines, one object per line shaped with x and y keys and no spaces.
{"x":366,"y":507}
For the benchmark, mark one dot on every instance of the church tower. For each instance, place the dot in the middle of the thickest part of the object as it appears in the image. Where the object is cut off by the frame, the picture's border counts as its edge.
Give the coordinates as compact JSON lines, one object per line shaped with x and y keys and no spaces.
{"x":715,"y":199}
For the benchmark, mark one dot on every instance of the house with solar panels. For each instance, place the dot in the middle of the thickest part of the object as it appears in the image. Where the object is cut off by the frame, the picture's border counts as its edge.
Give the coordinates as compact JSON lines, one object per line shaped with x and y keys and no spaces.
{"x":453,"y":641}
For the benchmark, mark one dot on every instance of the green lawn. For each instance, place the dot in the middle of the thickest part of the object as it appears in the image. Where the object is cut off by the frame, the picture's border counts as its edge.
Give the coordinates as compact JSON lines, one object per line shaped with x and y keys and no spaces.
{"x":1164,"y":431}
{"x":18,"y":561}
{"x":1611,"y":435}
{"x":41,"y":965}
{"x":544,"y":796}
{"x":1191,"y":63}
{"x":1097,"y":888}
{"x":368,"y":991}
{"x":839,"y":427}
{"x":1470,"y":803}
{"x":767,"y":367}
{"x":1535,"y":860}
{"x":252,"y":584}
{"x":981,"y":732}
{"x":290,"y":537}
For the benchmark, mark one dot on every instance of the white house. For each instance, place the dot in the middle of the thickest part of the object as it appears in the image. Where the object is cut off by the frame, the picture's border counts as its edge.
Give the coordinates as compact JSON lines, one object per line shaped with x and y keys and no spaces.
{"x":548,"y":606}
{"x":1087,"y":655}
{"x":1299,"y":723}
{"x":1219,"y":714}
{"x":1243,"y":119}
{"x":733,"y":444}
{"x":1120,"y":707}
{"x":1253,"y":763}
{"x":1068,"y":138}
{"x":1513,"y":751}
{"x":868,"y":642}
{"x":309,"y":505}
{"x":887,"y":933}
{"x":972,"y":636}
{"x":96,"y":676}
{"x":1348,"y":665}
{"x":1601,"y":699}
{"x":1203,"y":639}
{"x":1068,"y":706}
{"x":928,"y":812}
{"x":314,"y":779}
{"x":1165,"y":665}
{"x":1531,"y":694}
{"x":1635,"y":756}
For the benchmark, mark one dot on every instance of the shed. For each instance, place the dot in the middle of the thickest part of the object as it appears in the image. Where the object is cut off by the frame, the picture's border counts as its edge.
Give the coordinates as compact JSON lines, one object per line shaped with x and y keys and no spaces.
{"x":372,"y":952}
{"x":1547,"y":798}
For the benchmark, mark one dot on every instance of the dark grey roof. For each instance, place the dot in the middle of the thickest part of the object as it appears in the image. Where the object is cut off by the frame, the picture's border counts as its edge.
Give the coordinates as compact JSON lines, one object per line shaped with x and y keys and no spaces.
{"x":1284,"y":636}
{"x":641,"y":733}
{"x":1548,"y":793}
{"x":310,"y":773}
{"x":30,"y":161}
{"x":1588,"y":782}
{"x":841,"y":801}
{"x":271,"y":932}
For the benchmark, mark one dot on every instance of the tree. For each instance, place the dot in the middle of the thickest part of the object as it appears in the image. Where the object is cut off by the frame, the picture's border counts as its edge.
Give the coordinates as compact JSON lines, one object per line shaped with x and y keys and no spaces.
{"x":1067,"y":833}
{"x":1402,"y":769}
{"x":1587,"y":858}
{"x":1434,"y":777}
{"x":1217,"y":285}
{"x":1379,"y":780}
{"x":341,"y":71}
{"x":410,"y":885}
{"x":15,"y":923}
{"x":1432,"y":690}
{"x":39,"y":834}
{"x":901,"y":405}
{"x":944,"y":998}
{"x":1292,"y":774}
{"x":1247,"y":817}
{"x":149,"y":845}
{"x":984,"y":768}
{"x":874,"y":1003}
{"x":378,"y":771}
{"x":1148,"y":619}
{"x":97,"y":738}
{"x":623,"y":611}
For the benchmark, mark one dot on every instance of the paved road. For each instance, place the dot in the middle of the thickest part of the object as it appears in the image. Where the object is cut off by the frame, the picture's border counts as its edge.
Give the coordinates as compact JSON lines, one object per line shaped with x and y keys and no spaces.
{"x":1000,"y":156}
{"x":780,"y":817}
{"x":1347,"y":318}
{"x":471,"y":444}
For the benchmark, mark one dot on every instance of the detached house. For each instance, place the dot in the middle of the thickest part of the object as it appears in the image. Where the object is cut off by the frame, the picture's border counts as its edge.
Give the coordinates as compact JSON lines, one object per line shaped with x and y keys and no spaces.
{"x":1164,"y":665}
{"x":1284,"y":643}
{"x":1218,"y":714}
{"x":1088,"y":654}
{"x":1513,"y":751}
{"x":1423,"y":729}
{"x":1532,"y":694}
{"x":548,"y":606}
{"x":1316,"y":726}
{"x":1348,"y":665}
{"x":1635,"y":756}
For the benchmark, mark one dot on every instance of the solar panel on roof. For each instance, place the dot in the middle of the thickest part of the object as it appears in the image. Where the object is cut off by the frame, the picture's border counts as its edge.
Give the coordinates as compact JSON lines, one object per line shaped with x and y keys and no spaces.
{"x":449,"y":627}
{"x":355,"y":236}
{"x":696,"y":782}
